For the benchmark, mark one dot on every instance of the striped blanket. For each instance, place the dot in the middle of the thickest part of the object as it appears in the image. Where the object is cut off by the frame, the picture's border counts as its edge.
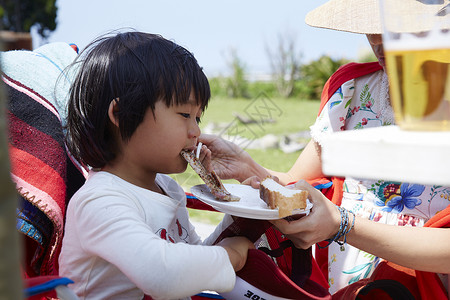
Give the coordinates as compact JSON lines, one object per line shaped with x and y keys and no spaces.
{"x":43,"y":171}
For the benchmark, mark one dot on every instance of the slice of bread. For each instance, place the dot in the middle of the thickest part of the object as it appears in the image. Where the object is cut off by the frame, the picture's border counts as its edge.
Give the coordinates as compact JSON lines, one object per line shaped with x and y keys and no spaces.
{"x":281,"y":197}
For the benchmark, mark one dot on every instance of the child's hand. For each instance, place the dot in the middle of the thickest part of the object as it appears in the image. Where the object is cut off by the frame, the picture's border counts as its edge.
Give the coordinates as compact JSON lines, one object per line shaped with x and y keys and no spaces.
{"x":237,"y":248}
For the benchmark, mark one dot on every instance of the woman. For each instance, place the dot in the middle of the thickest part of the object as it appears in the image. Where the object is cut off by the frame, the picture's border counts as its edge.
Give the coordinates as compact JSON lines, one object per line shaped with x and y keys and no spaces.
{"x":356,"y":97}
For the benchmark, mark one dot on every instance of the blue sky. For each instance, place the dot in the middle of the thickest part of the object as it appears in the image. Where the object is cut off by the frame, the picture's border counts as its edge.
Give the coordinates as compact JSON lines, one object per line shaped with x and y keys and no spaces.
{"x":209,"y":28}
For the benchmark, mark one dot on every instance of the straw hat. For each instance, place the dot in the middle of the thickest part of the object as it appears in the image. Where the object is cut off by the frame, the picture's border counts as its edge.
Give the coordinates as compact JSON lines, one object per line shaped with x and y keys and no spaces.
{"x":363,"y":16}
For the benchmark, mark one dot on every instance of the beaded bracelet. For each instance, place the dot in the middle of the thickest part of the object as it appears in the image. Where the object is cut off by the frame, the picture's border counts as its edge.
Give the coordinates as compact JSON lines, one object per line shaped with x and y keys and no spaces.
{"x":344,"y":229}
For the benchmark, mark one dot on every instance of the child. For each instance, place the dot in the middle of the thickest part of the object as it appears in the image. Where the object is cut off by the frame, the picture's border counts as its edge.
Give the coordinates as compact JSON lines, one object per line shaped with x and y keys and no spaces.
{"x":135,"y":104}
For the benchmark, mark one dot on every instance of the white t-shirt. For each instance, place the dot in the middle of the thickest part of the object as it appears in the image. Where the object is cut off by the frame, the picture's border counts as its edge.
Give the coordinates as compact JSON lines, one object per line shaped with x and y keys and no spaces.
{"x":122,"y":241}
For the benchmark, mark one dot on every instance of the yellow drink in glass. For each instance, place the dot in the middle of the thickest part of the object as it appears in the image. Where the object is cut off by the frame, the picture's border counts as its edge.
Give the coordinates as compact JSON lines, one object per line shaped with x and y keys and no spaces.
{"x":420,"y":88}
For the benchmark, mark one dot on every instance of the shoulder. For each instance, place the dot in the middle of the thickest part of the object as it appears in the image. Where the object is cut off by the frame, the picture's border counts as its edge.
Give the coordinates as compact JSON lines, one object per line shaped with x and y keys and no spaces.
{"x":348,"y":72}
{"x":104,"y":187}
{"x":354,"y":70}
{"x":105,"y":197}
{"x":97,"y":186}
{"x":100,"y":178}
{"x":345,"y":73}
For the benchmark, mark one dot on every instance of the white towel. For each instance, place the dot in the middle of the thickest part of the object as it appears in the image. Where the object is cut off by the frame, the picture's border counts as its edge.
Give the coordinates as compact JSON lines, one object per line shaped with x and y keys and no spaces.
{"x":44,"y":70}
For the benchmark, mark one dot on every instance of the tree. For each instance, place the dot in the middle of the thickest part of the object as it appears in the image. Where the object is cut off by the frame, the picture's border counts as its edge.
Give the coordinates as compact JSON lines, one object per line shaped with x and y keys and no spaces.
{"x":284,"y":63}
{"x":315,"y":74}
{"x":236,"y":86}
{"x":21,"y":15}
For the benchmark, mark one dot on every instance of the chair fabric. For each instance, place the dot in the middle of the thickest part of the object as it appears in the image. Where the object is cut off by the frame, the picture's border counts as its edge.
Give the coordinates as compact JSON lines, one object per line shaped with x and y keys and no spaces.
{"x":43,"y":171}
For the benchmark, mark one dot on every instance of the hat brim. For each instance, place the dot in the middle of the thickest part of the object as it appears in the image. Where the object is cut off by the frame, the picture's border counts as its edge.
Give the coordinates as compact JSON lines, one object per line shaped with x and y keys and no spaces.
{"x":363,"y":16}
{"x":355,"y":16}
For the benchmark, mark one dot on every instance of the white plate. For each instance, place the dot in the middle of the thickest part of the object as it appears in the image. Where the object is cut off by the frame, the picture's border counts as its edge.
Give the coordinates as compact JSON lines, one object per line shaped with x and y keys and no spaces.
{"x":249,"y":206}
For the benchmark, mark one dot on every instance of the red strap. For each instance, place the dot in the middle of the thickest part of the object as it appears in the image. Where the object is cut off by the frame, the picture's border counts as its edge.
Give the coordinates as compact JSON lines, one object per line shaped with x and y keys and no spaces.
{"x":337,"y":192}
{"x":430,"y":285}
{"x":194,"y":203}
{"x":344,"y":74}
{"x":261,"y":272}
{"x":441,"y":219}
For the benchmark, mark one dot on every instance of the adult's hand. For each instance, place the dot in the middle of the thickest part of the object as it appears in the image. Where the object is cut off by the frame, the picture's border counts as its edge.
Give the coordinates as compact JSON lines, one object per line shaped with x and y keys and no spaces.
{"x":228,"y":160}
{"x":322,"y":222}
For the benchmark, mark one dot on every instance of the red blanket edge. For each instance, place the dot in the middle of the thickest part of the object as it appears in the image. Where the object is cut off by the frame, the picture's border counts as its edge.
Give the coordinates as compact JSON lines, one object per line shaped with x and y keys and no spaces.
{"x":430,"y":285}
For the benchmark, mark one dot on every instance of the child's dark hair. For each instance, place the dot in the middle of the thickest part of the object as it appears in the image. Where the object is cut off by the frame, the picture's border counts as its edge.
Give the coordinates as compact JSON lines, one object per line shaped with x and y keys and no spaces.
{"x":138,"y":69}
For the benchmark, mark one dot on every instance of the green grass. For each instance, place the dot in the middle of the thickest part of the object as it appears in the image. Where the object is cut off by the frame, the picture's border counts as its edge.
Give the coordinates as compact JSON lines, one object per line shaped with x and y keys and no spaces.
{"x":289,"y":116}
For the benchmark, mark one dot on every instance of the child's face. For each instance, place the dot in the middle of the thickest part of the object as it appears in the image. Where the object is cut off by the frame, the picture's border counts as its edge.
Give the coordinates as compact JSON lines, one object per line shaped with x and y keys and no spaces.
{"x":157,"y":142}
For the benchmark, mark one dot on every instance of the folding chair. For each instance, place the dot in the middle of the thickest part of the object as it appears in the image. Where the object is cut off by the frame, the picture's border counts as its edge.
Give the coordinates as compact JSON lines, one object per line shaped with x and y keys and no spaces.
{"x":37,"y":288}
{"x":43,"y":171}
{"x":276,"y":269}
{"x":46,"y":176}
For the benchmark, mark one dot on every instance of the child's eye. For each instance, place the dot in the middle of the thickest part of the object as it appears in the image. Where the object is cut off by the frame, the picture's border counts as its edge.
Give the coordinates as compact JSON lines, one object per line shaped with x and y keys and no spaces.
{"x":188,"y":116}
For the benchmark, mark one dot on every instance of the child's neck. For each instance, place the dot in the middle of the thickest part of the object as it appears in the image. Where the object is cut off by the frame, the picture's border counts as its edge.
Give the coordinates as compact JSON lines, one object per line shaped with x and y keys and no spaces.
{"x":146,"y":181}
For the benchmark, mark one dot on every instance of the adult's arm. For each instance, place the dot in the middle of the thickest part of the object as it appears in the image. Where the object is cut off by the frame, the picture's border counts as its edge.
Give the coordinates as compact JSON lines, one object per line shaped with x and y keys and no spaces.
{"x":307,"y":166}
{"x":229,"y":161}
{"x":419,"y":248}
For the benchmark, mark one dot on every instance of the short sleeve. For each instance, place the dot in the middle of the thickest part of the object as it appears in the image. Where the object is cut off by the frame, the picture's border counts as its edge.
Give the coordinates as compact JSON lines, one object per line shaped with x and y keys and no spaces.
{"x":358,"y":103}
{"x":334,"y":113}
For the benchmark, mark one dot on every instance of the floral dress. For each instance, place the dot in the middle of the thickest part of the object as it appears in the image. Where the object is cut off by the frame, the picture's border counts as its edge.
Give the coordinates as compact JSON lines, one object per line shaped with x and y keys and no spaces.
{"x":361,"y":103}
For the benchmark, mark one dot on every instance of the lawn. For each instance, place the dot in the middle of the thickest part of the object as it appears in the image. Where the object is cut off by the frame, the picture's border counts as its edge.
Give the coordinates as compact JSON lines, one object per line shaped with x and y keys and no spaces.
{"x":280,"y":116}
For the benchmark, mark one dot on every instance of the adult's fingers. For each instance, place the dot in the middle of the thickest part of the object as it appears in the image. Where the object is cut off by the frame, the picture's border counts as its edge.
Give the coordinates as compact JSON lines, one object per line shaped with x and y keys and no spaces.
{"x":253,"y":181}
{"x":287,"y":226}
{"x":304,"y":185}
{"x":205,"y":158}
{"x":298,"y":231}
{"x":207,"y":138}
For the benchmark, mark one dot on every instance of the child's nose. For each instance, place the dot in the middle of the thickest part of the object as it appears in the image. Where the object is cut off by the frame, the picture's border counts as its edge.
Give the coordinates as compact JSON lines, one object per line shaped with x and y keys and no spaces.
{"x":194,"y":131}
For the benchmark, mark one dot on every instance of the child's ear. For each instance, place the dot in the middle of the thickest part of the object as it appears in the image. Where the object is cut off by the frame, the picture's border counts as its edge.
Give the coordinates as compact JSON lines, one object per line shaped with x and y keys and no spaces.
{"x":113,"y":110}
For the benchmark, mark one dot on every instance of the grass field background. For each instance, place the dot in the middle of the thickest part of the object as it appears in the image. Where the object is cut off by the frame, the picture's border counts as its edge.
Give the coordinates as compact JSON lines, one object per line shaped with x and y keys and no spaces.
{"x":287,"y":116}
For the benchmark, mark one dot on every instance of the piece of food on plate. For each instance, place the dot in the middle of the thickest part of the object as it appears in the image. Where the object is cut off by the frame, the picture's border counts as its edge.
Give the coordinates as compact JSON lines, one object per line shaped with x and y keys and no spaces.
{"x":211,"y":180}
{"x":285,"y":199}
